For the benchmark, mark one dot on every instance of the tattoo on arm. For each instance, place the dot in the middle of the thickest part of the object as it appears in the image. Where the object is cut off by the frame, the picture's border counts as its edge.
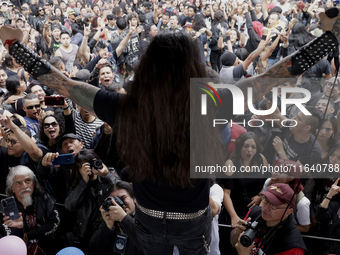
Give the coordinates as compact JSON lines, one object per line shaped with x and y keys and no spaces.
{"x":262,"y":84}
{"x":336,"y":29}
{"x":79,"y":92}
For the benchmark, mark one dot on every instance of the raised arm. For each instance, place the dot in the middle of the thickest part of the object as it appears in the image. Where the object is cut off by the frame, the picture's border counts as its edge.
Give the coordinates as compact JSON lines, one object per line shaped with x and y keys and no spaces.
{"x":126,"y":39}
{"x":83,"y":46}
{"x":25,"y":141}
{"x":296,"y":63}
{"x":46,"y":36}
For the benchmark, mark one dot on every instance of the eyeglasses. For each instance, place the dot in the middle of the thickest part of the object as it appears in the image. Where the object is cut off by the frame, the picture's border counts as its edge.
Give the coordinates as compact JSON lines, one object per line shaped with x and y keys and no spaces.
{"x":13,"y":142}
{"x":53,"y":124}
{"x":330,"y":84}
{"x":33,"y":106}
{"x":271,"y":206}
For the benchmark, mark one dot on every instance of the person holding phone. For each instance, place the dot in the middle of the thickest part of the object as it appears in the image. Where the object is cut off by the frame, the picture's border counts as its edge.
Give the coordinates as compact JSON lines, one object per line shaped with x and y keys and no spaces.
{"x":20,"y":149}
{"x":38,"y":218}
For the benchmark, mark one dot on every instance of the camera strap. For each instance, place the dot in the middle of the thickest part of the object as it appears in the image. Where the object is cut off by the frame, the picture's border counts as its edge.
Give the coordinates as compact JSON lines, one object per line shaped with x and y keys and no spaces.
{"x":120,"y":242}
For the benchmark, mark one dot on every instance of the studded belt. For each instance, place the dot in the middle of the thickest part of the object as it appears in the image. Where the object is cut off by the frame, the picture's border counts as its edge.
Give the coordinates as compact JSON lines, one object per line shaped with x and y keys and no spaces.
{"x":171,"y":215}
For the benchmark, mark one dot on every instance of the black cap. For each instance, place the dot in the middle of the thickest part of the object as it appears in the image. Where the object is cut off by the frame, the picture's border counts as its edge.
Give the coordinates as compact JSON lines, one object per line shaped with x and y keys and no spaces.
{"x":64,"y":137}
{"x":228,"y":59}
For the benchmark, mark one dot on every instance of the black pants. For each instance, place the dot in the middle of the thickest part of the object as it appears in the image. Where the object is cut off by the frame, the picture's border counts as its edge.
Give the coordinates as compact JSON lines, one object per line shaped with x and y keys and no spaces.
{"x":215,"y":60}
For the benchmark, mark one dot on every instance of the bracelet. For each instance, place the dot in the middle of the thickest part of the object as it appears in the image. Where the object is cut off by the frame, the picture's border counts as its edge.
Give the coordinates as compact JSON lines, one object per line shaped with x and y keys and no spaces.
{"x":107,"y":132}
{"x":65,"y":109}
{"x":328,"y":198}
{"x":23,"y":133}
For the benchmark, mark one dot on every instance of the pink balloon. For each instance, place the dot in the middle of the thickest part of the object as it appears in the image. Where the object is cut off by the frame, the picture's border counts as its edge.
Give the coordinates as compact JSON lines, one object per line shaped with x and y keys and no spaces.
{"x":12,"y":245}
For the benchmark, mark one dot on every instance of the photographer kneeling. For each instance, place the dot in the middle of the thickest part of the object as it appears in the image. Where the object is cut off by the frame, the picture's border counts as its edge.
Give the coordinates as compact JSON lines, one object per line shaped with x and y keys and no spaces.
{"x":116,"y":234}
{"x":273,"y":228}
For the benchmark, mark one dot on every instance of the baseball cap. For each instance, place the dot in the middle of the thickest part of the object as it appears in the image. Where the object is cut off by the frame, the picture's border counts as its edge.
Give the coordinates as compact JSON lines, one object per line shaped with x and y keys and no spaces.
{"x":64,"y":137}
{"x":89,"y":15}
{"x":70,"y":12}
{"x":76,"y":14}
{"x":279,"y":194}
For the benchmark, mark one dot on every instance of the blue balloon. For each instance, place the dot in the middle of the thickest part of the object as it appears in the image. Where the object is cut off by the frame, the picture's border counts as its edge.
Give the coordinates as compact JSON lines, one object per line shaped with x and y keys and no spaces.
{"x":70,"y":251}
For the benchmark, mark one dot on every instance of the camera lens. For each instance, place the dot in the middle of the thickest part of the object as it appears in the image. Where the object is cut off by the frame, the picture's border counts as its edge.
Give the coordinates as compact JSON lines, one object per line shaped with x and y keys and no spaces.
{"x":246,"y":241}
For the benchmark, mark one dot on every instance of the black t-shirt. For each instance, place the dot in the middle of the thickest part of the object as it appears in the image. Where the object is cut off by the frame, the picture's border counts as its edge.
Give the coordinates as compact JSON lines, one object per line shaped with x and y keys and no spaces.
{"x":110,"y":28}
{"x":154,"y":194}
{"x":187,"y":24}
{"x":300,"y":151}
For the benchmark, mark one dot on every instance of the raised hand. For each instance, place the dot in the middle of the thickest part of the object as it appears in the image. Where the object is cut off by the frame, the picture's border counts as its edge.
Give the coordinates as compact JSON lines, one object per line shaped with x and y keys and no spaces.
{"x":87,"y":30}
{"x":335,"y":189}
{"x":10,"y":34}
{"x":49,"y":158}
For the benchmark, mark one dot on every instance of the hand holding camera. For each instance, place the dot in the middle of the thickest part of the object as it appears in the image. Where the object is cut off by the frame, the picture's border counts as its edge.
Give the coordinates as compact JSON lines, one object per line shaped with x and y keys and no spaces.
{"x":113,"y":210}
{"x":98,"y":167}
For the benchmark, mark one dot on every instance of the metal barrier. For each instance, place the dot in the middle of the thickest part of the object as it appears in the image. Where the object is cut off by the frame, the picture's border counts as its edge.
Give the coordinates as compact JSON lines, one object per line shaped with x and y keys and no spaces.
{"x":304,"y":236}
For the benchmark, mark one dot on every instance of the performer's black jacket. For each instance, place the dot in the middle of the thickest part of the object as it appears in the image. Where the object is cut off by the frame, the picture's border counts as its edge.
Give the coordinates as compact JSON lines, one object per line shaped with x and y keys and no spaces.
{"x":103,"y":240}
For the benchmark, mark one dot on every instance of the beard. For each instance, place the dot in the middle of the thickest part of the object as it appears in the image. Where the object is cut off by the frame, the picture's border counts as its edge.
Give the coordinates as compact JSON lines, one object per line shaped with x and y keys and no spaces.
{"x":27,"y":201}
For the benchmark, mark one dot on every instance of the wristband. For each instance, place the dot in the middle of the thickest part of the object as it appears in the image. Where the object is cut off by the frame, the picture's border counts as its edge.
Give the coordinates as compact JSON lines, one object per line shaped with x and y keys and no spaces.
{"x":65,"y":109}
{"x":228,"y":38}
{"x":21,"y":136}
{"x":313,"y":52}
{"x":28,"y":59}
{"x":264,"y":37}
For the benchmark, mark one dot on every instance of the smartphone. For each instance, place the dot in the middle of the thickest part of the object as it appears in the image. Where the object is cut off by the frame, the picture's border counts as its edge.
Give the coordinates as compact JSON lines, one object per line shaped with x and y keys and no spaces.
{"x":64,"y":159}
{"x":54,"y":100}
{"x":10,"y":208}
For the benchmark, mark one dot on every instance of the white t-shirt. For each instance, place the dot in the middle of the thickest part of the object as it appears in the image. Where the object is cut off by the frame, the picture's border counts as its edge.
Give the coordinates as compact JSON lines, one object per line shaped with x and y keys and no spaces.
{"x":216,"y":193}
{"x":285,"y":7}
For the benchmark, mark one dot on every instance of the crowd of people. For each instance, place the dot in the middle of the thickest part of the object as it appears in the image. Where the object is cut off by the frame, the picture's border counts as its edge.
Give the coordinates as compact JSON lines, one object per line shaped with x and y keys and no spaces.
{"x":127,"y":52}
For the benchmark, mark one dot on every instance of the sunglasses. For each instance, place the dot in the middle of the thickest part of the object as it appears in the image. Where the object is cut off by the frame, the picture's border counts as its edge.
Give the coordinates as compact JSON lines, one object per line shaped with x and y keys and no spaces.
{"x":53,"y":124}
{"x":41,"y":10}
{"x":33,"y":106}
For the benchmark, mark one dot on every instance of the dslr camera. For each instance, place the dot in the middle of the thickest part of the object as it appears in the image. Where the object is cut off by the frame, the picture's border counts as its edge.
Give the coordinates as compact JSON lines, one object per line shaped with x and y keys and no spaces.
{"x":107,"y":202}
{"x":254,"y":230}
{"x":96,"y":164}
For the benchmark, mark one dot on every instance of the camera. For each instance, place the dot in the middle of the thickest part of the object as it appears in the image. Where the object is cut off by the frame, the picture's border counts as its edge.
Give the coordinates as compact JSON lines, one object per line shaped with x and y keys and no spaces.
{"x":96,"y":164}
{"x":254,"y":229}
{"x":107,"y":202}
